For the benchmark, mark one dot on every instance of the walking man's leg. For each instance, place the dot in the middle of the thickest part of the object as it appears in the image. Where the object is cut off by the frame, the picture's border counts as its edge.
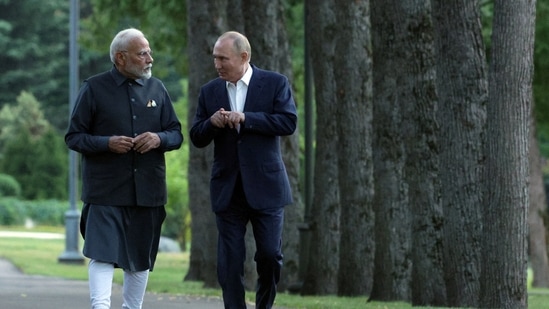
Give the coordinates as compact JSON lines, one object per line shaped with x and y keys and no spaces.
{"x":100,"y":281}
{"x":135,"y":285}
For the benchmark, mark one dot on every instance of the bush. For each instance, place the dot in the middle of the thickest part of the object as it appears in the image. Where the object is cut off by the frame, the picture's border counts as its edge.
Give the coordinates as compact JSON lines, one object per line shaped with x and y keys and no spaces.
{"x":12,"y":211}
{"x":43,"y":212}
{"x":9,"y":186}
{"x":38,"y":163}
{"x":47,"y":212}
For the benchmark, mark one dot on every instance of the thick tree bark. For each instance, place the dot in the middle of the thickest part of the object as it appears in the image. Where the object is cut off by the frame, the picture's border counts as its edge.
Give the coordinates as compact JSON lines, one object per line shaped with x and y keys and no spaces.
{"x":205,"y":25}
{"x":294,"y":213}
{"x":322,"y":266}
{"x":235,"y":17}
{"x":504,"y":242}
{"x":392,"y":269}
{"x":463,"y":90}
{"x":409,"y":223}
{"x":265,"y":28}
{"x":537,"y":240}
{"x":420,"y":130}
{"x":353,"y":74}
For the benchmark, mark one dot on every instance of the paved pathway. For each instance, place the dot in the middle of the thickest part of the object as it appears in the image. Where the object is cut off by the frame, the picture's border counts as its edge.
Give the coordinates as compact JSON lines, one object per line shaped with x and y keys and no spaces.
{"x":20,"y":291}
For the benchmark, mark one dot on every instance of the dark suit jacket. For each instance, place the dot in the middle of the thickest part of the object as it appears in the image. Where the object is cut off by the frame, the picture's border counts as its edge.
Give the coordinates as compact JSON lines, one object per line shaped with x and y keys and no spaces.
{"x":270,"y":112}
{"x":109,"y":104}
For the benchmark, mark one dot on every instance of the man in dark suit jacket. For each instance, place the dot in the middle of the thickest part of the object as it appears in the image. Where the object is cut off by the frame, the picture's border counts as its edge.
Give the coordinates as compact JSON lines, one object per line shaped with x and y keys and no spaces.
{"x":245,"y":111}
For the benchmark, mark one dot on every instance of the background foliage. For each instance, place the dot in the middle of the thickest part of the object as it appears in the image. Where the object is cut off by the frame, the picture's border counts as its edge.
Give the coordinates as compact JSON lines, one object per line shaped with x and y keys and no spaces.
{"x":9,"y":186}
{"x":14,"y":211}
{"x":34,"y":107}
{"x":33,"y":152}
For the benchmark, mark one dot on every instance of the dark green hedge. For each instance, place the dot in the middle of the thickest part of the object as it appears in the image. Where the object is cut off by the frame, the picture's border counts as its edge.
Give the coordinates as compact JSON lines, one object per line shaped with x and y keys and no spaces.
{"x":46,"y":212}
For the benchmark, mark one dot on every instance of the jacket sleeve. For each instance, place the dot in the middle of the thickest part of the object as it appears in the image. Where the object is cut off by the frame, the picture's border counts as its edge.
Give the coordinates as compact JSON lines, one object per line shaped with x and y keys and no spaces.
{"x":78,"y":137}
{"x":278,"y":116}
{"x":202,"y":130}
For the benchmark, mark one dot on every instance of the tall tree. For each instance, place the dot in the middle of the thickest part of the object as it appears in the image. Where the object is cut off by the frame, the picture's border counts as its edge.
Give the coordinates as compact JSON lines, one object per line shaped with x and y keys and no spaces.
{"x":462,"y":88}
{"x":541,"y":76}
{"x":392,"y":268}
{"x":504,"y":257}
{"x":35,"y":54}
{"x":294,"y":214}
{"x":206,"y":23}
{"x":25,"y":115}
{"x":537,"y":211}
{"x":539,"y":152}
{"x":265,"y":28}
{"x":32,"y":151}
{"x":353,"y":75}
{"x":409,"y":222}
{"x":420,"y":130}
{"x":323,"y":262}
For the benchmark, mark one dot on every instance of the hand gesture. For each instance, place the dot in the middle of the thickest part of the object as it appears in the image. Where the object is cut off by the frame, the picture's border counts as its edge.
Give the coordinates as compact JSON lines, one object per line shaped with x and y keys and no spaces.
{"x":233,"y":119}
{"x":218,"y":119}
{"x":145,"y":142}
{"x":120,"y":144}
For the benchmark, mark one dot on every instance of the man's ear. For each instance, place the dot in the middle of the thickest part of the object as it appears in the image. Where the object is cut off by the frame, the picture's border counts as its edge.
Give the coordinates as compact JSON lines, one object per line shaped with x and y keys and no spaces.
{"x":120,"y":58}
{"x":245,"y":56}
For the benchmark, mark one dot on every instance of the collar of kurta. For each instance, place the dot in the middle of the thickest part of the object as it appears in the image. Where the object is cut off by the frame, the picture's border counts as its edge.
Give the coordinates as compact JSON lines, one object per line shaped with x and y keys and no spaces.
{"x":121,"y":79}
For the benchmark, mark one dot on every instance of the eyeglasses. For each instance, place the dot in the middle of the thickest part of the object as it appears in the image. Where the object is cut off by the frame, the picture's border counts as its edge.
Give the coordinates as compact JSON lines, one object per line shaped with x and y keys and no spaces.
{"x":141,"y":55}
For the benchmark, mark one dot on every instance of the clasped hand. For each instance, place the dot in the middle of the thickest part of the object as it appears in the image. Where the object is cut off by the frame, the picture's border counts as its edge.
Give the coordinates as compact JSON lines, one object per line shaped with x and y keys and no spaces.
{"x":142,"y":143}
{"x":223,"y":118}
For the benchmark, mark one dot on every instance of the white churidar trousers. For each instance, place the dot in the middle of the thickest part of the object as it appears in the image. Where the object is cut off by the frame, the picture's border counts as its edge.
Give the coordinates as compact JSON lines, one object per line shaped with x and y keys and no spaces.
{"x":100,"y":281}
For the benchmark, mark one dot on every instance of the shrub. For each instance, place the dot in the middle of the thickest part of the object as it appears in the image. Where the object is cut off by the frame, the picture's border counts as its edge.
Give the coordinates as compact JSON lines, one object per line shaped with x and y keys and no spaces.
{"x":38,"y":163}
{"x":9,"y":186}
{"x":43,"y":212}
{"x":47,"y":212}
{"x":12,"y":211}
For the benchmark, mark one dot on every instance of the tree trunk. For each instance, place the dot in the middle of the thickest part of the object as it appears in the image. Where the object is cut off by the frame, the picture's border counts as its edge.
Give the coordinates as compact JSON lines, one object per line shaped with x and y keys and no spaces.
{"x":325,"y":235}
{"x":235,"y":17}
{"x":265,"y":29}
{"x":392,"y":266}
{"x":294,"y":213}
{"x":463,"y":90}
{"x":537,"y":240}
{"x":420,"y":131}
{"x":353,"y":75}
{"x":408,"y":170}
{"x":504,"y":242}
{"x":203,"y":29}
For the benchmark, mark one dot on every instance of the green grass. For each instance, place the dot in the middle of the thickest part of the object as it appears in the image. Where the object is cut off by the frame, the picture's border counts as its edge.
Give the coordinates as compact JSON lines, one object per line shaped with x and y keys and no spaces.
{"x":40,"y":257}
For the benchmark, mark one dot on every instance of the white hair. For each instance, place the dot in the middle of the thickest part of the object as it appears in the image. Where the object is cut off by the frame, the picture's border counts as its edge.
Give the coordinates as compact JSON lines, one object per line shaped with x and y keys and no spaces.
{"x":122,"y":40}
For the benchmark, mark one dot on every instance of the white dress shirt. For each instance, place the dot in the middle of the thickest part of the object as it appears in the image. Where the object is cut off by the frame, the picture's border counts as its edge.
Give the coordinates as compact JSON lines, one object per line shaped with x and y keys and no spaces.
{"x":237,"y":93}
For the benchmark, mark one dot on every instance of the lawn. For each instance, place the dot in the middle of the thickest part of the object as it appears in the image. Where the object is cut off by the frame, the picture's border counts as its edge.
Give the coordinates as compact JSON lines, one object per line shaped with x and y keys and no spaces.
{"x":39,"y":256}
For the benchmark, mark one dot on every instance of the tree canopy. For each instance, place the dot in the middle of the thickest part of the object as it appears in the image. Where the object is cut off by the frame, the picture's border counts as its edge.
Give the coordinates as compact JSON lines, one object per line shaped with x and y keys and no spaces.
{"x":35,"y":53}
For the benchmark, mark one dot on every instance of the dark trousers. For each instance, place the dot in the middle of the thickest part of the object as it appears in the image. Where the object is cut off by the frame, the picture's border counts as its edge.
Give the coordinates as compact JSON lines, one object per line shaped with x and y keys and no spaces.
{"x":231,"y":251}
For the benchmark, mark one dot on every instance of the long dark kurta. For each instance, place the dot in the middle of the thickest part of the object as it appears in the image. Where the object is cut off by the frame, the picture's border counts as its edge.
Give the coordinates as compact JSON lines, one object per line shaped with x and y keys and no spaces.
{"x":109,"y":104}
